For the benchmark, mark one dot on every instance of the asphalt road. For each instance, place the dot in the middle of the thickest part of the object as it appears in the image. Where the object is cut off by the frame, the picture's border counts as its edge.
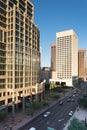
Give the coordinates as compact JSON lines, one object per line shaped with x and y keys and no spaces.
{"x":59,"y":115}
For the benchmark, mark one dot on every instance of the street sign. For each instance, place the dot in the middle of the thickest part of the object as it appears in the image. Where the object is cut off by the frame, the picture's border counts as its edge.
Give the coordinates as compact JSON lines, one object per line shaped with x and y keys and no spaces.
{"x":49,"y":128}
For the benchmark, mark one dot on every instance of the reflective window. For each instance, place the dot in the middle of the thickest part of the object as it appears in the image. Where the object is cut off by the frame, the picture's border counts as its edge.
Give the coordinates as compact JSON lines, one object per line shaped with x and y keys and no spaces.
{"x":1,"y":35}
{"x":4,"y":36}
{"x":2,"y":102}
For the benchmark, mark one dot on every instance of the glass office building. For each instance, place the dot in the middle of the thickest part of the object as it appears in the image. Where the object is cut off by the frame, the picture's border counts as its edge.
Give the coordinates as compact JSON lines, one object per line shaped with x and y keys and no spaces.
{"x":19,"y":51}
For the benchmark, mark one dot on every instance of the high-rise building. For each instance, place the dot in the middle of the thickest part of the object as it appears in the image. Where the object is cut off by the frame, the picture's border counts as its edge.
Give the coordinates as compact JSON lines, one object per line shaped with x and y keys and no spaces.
{"x":81,"y":63}
{"x":19,"y":51}
{"x":66,"y":58}
{"x":86,"y":69}
{"x":45,"y":74}
{"x":53,"y":56}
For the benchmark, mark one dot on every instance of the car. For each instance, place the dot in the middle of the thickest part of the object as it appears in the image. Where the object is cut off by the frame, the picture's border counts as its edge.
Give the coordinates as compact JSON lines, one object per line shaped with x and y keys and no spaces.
{"x":77,"y":95}
{"x":75,"y":92}
{"x":50,"y":128}
{"x":70,"y":113}
{"x":70,"y":96}
{"x":32,"y":128}
{"x":73,"y":95}
{"x":68,"y":100}
{"x":73,"y":100}
{"x":61,"y":103}
{"x":46,"y":114}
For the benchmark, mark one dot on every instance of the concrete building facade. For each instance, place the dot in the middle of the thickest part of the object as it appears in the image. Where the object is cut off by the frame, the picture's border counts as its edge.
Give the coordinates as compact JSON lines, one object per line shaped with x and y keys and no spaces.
{"x":19,"y":52}
{"x":66,"y":58}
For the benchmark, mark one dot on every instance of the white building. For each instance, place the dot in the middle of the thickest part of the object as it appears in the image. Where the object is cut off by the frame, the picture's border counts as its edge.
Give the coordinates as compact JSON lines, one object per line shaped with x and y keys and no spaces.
{"x":66,"y":58}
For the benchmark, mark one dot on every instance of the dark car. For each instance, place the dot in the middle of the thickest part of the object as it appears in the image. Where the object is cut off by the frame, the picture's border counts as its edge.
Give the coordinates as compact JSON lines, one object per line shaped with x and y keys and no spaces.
{"x":61,"y":103}
{"x":73,"y":100}
{"x":69,"y":99}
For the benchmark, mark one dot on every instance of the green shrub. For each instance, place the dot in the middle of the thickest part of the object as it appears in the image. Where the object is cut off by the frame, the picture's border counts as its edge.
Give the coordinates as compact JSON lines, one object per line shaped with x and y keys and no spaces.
{"x":56,"y":96}
{"x":60,"y":90}
{"x":3,"y":115}
{"x":29,"y":111}
{"x":45,"y":103}
{"x":82,"y":102}
{"x":76,"y":125}
{"x":36,"y":105}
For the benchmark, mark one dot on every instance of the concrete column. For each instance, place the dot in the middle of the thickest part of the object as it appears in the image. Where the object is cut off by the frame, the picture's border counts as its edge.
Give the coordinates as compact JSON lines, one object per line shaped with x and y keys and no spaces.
{"x":36,"y":97}
{"x":13,"y":110}
{"x":16,"y":106}
{"x":23,"y":103}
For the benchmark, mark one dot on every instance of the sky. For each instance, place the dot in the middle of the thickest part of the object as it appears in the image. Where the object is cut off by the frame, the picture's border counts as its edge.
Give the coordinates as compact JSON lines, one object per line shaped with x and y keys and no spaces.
{"x":52,"y":16}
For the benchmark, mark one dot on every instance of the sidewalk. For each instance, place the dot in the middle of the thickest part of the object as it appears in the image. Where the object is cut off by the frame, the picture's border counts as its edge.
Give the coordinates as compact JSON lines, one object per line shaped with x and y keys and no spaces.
{"x":81,"y":115}
{"x":19,"y":120}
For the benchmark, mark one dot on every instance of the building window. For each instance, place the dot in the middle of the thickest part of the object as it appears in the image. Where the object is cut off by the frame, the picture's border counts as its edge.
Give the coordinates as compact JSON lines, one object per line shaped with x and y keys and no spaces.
{"x":4,"y":36}
{"x":1,"y":35}
{"x":9,"y":100}
{"x":2,"y":102}
{"x":4,"y":94}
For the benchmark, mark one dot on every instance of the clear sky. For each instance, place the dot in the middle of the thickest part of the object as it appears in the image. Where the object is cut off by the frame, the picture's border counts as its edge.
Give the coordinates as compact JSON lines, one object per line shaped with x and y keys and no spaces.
{"x":52,"y":16}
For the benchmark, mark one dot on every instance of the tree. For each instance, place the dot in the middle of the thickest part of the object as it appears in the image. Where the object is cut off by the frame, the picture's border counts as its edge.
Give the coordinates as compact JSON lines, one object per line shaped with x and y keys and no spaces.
{"x":52,"y":86}
{"x":75,"y":124}
{"x":3,"y":115}
{"x":83,"y":102}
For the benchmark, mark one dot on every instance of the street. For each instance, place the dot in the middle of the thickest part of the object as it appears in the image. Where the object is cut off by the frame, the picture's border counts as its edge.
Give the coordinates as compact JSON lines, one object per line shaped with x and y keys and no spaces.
{"x":59,"y":115}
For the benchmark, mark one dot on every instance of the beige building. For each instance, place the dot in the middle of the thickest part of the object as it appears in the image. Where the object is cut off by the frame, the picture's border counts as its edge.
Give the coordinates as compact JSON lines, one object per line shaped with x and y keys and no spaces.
{"x":53,"y":56}
{"x":66,"y":58}
{"x":19,"y":52}
{"x":86,"y":69}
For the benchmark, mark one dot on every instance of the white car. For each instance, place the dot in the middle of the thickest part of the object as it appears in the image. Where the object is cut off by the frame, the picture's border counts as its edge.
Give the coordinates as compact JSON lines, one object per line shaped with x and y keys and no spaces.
{"x":46,"y":114}
{"x":70,"y":113}
{"x":32,"y":128}
{"x":74,"y":95}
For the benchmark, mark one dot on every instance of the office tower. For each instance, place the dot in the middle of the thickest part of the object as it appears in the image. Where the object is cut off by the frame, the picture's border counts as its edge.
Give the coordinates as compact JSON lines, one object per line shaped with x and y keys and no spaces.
{"x":53,"y":56}
{"x":81,"y":63}
{"x":40,"y":56}
{"x":19,"y":51}
{"x":66,"y":58}
{"x":86,"y":69}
